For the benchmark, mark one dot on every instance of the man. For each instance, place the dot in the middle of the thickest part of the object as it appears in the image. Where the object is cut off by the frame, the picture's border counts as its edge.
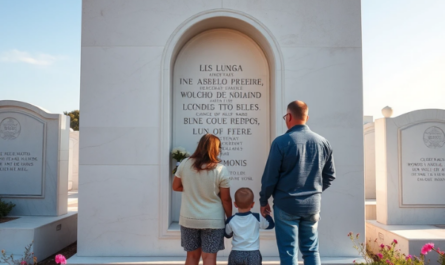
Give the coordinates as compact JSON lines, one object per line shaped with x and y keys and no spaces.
{"x":300,"y":166}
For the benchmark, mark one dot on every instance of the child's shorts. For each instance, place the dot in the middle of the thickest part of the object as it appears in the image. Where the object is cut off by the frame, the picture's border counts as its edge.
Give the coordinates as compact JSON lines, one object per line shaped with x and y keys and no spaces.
{"x":238,"y":257}
{"x":209,"y":240}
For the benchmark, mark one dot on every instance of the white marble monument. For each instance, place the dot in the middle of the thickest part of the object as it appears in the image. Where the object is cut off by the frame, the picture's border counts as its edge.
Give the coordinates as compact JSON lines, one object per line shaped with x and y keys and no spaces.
{"x":410,"y":168}
{"x":410,"y":180}
{"x":157,"y":74}
{"x":33,"y":159}
{"x":34,"y":176}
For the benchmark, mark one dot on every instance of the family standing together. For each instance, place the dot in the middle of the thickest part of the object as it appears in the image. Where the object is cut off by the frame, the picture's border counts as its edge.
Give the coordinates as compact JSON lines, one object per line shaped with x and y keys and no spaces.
{"x":299,"y":168}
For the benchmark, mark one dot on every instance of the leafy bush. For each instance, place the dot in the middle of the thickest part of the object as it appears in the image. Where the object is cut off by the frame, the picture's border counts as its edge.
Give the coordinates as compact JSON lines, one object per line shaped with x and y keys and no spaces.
{"x":5,"y":208}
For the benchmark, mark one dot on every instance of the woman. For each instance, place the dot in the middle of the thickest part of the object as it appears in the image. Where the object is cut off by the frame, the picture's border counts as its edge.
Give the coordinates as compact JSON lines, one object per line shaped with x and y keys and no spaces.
{"x":206,"y":197}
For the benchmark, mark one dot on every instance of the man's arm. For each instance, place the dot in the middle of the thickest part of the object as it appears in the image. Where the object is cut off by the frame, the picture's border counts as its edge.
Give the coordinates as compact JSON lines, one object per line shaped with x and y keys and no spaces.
{"x":270,"y":176}
{"x":328,"y":171}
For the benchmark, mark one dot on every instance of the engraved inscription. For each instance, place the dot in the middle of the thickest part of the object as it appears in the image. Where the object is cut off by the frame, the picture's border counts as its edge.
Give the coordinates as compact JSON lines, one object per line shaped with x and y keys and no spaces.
{"x":221,"y":86}
{"x":17,"y":161}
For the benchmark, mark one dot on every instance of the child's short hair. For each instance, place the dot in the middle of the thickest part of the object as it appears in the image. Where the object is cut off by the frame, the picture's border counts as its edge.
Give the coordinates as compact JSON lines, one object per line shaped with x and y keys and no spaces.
{"x":244,"y":198}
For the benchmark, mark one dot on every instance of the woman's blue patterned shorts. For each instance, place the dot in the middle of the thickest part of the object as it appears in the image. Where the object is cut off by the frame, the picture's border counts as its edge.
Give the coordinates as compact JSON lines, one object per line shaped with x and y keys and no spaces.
{"x":210,"y":240}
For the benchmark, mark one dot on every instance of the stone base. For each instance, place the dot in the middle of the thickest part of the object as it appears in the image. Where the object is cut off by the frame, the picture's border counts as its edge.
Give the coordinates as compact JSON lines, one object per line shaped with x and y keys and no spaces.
{"x":49,"y":234}
{"x":75,"y":260}
{"x":370,"y":209}
{"x":410,"y":238}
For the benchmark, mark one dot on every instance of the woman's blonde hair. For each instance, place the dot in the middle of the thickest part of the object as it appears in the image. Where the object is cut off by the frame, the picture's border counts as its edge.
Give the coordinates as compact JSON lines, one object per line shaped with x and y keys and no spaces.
{"x":206,"y":154}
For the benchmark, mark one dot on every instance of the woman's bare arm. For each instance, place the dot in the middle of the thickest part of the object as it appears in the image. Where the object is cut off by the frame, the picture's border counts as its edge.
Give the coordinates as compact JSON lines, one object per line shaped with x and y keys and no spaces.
{"x":177,"y":184}
{"x":226,"y":201}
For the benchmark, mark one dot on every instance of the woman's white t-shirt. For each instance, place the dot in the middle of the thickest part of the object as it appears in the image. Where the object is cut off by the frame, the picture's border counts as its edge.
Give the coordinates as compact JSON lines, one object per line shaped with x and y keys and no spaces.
{"x":201,"y":205}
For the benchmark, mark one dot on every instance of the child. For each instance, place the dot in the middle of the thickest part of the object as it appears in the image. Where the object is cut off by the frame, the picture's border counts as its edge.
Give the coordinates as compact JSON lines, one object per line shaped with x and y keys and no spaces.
{"x":245,"y":229}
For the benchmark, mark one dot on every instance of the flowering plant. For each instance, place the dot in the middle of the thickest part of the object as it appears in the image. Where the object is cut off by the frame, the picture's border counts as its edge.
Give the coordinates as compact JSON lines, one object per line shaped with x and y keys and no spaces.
{"x":60,"y":259}
{"x":387,"y":255}
{"x":179,"y":154}
{"x":27,"y":259}
{"x":430,"y":247}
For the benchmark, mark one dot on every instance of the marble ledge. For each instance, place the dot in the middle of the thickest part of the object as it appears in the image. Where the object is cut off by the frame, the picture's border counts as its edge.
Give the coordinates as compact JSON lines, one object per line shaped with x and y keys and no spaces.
{"x":413,"y":232}
{"x":28,"y":222}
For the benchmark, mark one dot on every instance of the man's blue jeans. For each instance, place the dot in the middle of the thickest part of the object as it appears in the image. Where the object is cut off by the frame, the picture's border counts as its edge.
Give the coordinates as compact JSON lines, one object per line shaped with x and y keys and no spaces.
{"x":297,"y":231}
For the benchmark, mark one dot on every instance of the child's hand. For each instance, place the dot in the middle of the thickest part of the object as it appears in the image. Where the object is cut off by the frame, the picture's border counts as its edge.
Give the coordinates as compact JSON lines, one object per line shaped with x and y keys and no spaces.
{"x":265,"y":210}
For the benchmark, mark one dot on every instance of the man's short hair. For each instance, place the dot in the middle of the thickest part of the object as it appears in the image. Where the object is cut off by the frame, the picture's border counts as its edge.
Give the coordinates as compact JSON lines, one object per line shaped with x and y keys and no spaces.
{"x":298,"y":109}
{"x":244,"y":198}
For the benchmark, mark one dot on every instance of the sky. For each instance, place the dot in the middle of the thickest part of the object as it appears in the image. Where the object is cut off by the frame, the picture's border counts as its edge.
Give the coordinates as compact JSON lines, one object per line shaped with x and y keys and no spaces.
{"x":403,"y":54}
{"x":40,"y":53}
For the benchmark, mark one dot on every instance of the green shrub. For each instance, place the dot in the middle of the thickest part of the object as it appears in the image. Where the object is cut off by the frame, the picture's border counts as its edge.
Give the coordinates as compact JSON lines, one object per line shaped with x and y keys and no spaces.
{"x":5,"y":208}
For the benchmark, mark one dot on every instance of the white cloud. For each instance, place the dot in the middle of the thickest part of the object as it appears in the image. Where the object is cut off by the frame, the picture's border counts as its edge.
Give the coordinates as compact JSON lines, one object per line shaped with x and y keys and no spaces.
{"x":16,"y":56}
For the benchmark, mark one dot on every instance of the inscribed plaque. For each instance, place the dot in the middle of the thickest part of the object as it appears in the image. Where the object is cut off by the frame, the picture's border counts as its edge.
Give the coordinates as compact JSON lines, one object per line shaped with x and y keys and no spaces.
{"x":221,"y":86}
{"x":21,"y":155}
{"x":423,"y":164}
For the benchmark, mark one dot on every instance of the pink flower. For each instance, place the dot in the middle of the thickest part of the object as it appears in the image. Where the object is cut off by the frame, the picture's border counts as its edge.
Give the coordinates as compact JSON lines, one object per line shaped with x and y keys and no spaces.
{"x":60,"y":259}
{"x":388,"y":261}
{"x":409,"y":257}
{"x":427,"y":248}
{"x":395,"y":241}
{"x":23,"y":262}
{"x":380,"y":255}
{"x":350,"y":234}
{"x":382,"y":246}
{"x":389,"y":247}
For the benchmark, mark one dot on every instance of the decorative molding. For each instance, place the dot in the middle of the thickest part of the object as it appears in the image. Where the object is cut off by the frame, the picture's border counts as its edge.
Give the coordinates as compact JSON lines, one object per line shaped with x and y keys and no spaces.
{"x":7,"y":104}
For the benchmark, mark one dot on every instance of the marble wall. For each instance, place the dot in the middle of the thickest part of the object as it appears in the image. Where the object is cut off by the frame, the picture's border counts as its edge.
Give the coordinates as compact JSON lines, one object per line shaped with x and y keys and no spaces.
{"x":33,"y":159}
{"x":128,"y":51}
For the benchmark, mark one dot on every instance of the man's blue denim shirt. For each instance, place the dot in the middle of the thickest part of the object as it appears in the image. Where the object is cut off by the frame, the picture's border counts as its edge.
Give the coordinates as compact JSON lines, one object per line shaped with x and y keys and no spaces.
{"x":300,"y":166}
